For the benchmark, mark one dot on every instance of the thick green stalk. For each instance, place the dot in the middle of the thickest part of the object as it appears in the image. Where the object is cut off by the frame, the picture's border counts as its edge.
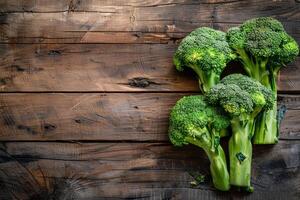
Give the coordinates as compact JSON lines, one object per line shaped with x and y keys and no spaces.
{"x":267,"y":127}
{"x":266,"y":131}
{"x":246,"y":61}
{"x":240,"y":152}
{"x":218,"y":166}
{"x":206,"y":81}
{"x":218,"y":169}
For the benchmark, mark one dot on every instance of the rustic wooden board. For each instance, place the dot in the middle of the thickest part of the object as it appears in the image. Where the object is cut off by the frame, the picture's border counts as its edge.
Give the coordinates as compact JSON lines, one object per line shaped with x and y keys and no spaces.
{"x":122,"y":37}
{"x":138,"y":170}
{"x":92,"y":54}
{"x":92,"y":5}
{"x":131,"y":21}
{"x":93,"y":67}
{"x":103,"y":67}
{"x":110,"y":117}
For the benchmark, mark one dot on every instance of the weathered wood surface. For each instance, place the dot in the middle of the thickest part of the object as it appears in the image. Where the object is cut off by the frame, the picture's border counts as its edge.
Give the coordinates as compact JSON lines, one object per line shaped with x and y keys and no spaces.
{"x":103,"y":67}
{"x":92,"y":138}
{"x":131,"y":21}
{"x":136,"y":170}
{"x":110,"y":117}
{"x":92,"y":5}
{"x":92,"y":67}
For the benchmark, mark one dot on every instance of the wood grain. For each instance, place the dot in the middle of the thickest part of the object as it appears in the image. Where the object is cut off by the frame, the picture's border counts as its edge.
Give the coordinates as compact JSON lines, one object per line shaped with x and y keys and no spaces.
{"x":131,"y":21}
{"x":104,"y":67}
{"x":139,"y":170}
{"x":105,"y":117}
{"x":102,"y":133}
{"x":92,"y":5}
{"x":90,"y":67}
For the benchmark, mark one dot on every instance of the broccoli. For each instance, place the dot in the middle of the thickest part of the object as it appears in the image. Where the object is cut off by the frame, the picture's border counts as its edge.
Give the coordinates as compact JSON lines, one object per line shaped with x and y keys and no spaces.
{"x":207,"y":52}
{"x":243,"y":99}
{"x":263,"y":47}
{"x":193,"y":121}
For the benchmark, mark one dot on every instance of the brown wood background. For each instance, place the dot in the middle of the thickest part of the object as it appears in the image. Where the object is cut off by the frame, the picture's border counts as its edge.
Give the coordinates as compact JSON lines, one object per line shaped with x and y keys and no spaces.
{"x":86,"y":89}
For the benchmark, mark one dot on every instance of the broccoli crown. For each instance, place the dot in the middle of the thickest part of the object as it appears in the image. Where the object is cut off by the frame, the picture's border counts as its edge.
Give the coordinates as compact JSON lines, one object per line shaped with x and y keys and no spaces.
{"x":192,"y":117}
{"x":240,"y":95}
{"x":231,"y":98}
{"x":204,"y":48}
{"x":260,"y":95}
{"x":264,"y":38}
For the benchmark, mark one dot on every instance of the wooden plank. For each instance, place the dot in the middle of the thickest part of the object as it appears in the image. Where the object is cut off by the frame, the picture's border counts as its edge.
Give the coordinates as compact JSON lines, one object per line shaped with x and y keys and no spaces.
{"x":92,"y":5}
{"x":123,"y":37}
{"x":133,"y":22}
{"x":91,"y":67}
{"x":105,"y":117}
{"x":136,"y":170}
{"x":283,"y":9}
{"x":103,"y":67}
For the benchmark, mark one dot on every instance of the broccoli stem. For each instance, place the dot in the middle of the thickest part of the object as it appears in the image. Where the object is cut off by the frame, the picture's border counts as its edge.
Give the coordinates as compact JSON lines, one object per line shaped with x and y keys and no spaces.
{"x":240,"y":152}
{"x":267,"y":127}
{"x":218,"y":166}
{"x":206,"y":81}
{"x":266,"y":131}
{"x":246,"y":60}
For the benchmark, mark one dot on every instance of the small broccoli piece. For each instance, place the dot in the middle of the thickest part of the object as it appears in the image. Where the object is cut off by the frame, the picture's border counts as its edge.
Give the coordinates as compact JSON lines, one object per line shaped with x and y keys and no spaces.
{"x":263,"y":47}
{"x":207,"y":52}
{"x":243,"y":99}
{"x":193,"y":121}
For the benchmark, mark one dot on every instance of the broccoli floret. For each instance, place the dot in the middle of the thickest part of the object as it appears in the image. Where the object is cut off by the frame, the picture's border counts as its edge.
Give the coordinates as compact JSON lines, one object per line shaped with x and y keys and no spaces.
{"x":193,"y":121}
{"x":262,"y":97}
{"x":243,"y":99}
{"x":207,"y":52}
{"x":263,"y":47}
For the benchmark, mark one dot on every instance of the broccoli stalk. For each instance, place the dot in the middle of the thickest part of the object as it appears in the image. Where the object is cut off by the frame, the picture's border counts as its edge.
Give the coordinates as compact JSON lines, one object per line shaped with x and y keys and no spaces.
{"x":240,"y":152}
{"x":267,"y":127}
{"x":243,"y":99}
{"x":193,"y":121}
{"x":206,"y":80}
{"x":218,"y":166}
{"x":263,"y":47}
{"x":206,"y":52}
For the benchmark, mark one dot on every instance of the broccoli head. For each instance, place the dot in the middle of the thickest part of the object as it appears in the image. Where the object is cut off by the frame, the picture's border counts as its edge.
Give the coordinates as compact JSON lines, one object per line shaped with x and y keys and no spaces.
{"x":261,"y":97}
{"x":262,"y":45}
{"x":207,"y":52}
{"x":193,"y":121}
{"x":232,"y":99}
{"x":192,"y":118}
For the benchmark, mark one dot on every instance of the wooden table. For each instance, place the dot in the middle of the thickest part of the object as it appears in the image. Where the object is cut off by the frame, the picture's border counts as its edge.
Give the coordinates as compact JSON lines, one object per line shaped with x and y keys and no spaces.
{"x":86,"y":90}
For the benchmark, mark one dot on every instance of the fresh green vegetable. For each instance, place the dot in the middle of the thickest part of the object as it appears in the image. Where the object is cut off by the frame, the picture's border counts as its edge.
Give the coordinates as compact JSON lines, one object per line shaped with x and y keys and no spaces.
{"x":243,"y":99}
{"x":193,"y":121}
{"x":207,"y":52}
{"x":263,"y":47}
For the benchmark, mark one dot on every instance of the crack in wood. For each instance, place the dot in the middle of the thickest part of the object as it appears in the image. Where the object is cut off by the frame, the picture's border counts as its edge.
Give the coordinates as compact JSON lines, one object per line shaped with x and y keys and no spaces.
{"x":28,"y":69}
{"x":141,"y":82}
{"x":54,"y":53}
{"x":49,"y":127}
